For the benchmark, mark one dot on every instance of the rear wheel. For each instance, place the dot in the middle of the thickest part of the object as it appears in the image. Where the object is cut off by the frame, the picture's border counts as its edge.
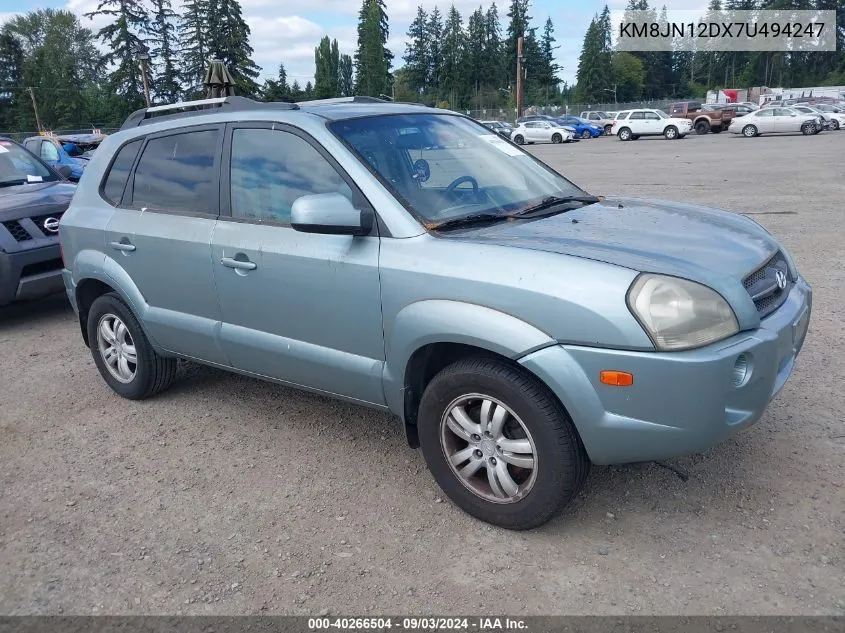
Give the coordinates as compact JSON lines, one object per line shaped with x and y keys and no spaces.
{"x":702,"y":127}
{"x":607,"y":129}
{"x":749,"y":131}
{"x":499,"y":443}
{"x":834,"y":124}
{"x":519,"y":139}
{"x":624,"y":134}
{"x":808,"y":128}
{"x":122,"y":353}
{"x":557,"y":138}
{"x":671,"y":133}
{"x":716,"y":130}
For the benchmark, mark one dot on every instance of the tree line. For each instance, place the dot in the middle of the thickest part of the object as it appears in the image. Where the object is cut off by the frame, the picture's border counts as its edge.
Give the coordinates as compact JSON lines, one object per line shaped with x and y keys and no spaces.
{"x":448,"y":61}
{"x":605,"y":75}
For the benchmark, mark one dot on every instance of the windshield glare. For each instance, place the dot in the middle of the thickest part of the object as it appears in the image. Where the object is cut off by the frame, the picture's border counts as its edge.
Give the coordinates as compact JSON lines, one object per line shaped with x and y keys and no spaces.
{"x":18,"y":165}
{"x":442,"y":166}
{"x":661,"y":114}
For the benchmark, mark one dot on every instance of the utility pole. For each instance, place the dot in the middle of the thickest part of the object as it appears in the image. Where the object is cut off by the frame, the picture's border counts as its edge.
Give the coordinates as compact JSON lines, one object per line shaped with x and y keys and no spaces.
{"x":35,"y":108}
{"x":519,"y":77}
{"x":141,"y":54}
{"x":146,"y":83}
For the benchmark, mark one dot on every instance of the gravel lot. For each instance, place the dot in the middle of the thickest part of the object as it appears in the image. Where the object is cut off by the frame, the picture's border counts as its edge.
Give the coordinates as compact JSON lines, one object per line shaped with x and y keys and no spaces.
{"x":231,"y":496}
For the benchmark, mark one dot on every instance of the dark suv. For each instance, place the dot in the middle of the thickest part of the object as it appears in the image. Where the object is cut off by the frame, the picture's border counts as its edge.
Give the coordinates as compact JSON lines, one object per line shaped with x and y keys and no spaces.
{"x":33,"y":198}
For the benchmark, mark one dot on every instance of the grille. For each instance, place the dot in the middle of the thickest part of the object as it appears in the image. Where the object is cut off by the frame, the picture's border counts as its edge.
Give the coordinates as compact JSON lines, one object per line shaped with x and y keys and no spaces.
{"x":762,"y":285}
{"x":18,"y":232}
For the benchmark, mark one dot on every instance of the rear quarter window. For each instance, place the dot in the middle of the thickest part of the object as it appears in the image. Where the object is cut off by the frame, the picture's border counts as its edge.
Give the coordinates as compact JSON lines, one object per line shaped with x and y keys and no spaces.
{"x":116,"y":179}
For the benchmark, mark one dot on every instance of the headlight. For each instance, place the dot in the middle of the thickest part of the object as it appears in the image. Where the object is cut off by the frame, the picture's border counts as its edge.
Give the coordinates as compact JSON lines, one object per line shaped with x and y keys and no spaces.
{"x":679,"y":314}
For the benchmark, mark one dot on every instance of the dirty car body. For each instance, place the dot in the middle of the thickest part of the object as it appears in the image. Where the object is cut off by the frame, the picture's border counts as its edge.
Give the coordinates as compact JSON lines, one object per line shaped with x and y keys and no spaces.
{"x":519,"y":327}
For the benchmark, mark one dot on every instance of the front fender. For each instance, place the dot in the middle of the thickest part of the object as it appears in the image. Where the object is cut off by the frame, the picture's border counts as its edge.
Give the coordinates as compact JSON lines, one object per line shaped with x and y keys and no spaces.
{"x":443,"y":321}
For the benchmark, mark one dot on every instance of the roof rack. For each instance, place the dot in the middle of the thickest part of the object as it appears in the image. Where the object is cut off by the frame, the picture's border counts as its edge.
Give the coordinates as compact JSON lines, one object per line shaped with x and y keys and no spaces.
{"x":202,"y":106}
{"x":336,"y":100}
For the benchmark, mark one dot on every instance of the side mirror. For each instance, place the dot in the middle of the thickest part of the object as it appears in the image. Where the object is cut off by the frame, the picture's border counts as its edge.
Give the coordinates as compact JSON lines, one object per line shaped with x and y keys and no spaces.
{"x":64,"y":171}
{"x":329,"y":214}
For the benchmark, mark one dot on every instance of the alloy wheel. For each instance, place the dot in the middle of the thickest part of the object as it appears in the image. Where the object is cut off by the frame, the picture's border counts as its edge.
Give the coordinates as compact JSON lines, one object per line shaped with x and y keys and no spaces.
{"x":117,"y":348}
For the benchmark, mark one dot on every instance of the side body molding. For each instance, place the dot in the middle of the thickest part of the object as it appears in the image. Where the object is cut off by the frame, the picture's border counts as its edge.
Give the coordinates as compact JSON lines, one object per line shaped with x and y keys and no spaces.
{"x":444,"y":321}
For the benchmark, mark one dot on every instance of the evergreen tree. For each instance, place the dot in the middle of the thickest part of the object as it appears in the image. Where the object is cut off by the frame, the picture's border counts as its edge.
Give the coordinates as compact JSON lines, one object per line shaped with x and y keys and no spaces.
{"x":12,"y":94}
{"x":327,"y":73}
{"x":228,"y":40}
{"x":549,"y":70}
{"x":476,"y":44}
{"x":371,"y":63}
{"x":346,"y":83}
{"x":517,"y":27}
{"x":434,"y":33}
{"x":373,"y":31}
{"x":296,"y":93}
{"x":309,"y":91}
{"x":590,"y":81}
{"x":277,"y":89}
{"x":166,"y":82}
{"x":416,"y":53}
{"x":454,"y":46}
{"x":193,"y":35}
{"x":122,"y":38}
{"x":494,"y":65}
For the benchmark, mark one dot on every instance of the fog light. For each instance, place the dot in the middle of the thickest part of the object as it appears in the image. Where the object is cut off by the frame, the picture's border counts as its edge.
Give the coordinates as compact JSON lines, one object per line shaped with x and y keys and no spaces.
{"x":742,"y":367}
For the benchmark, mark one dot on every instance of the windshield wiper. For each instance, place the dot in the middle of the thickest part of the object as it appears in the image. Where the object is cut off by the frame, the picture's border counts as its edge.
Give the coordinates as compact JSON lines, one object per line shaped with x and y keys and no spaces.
{"x":12,"y":183}
{"x":468,"y":220}
{"x":550,"y":203}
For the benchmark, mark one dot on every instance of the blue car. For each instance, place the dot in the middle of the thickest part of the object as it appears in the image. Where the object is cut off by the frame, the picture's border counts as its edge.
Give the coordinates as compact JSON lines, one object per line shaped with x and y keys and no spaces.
{"x":73,"y":151}
{"x":583,"y":127}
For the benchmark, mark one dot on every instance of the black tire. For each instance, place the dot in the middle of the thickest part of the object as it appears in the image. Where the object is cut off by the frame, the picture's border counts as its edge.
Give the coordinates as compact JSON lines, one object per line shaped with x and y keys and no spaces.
{"x":557,"y":138}
{"x":750,"y":131}
{"x":834,"y":124}
{"x":519,"y":139}
{"x":702,"y":127}
{"x":562,"y":460}
{"x":607,"y":130}
{"x":153,"y":373}
{"x":808,"y":129}
{"x":716,"y":130}
{"x":586,"y":134}
{"x":624,"y":134}
{"x":671,"y":133}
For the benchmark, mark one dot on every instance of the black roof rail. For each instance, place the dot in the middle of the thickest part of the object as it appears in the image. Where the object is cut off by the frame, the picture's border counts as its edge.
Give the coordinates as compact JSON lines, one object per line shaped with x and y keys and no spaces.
{"x":336,"y":100}
{"x":203,"y":106}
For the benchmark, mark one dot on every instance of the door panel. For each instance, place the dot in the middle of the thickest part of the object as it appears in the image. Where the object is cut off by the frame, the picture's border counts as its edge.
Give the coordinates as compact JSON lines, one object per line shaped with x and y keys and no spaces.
{"x":309,"y":311}
{"x":163,"y":240}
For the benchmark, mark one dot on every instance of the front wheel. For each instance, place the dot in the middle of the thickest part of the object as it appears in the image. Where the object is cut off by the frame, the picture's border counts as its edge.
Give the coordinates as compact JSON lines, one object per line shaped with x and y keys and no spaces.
{"x":122,"y":353}
{"x":834,"y":124}
{"x":671,"y":132}
{"x":749,"y":131}
{"x":519,"y":139}
{"x":624,"y":134}
{"x":499,"y":443}
{"x":557,"y":138}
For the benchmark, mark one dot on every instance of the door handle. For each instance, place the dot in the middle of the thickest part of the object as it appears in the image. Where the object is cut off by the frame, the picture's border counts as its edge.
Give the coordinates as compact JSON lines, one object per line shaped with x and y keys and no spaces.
{"x":126,"y":247}
{"x":238,"y":264}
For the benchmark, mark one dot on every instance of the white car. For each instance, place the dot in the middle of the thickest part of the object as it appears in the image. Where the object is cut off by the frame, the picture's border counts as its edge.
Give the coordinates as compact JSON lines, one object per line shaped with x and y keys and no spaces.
{"x":778,"y":120}
{"x":599,"y":117}
{"x":632,"y":124}
{"x":541,"y":132}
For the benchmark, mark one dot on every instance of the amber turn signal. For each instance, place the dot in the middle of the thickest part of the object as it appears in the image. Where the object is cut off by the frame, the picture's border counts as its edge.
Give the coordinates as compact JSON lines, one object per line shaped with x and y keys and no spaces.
{"x":617,"y":378}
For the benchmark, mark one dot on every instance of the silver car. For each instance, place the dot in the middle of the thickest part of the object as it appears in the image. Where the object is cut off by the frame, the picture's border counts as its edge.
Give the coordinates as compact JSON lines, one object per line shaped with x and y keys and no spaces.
{"x":411,"y":260}
{"x":776,"y":120}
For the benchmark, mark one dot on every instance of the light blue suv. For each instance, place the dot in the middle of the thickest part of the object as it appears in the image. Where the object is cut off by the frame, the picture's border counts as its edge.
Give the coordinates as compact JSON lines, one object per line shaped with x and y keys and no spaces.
{"x":411,"y":260}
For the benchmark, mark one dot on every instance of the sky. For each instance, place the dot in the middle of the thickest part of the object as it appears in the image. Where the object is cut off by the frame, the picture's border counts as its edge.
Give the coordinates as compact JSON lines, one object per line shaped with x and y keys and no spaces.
{"x":287,"y":32}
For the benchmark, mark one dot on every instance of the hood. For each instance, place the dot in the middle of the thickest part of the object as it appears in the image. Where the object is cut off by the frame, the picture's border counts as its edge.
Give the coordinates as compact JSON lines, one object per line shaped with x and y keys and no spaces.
{"x":713,"y":247}
{"x":26,"y":201}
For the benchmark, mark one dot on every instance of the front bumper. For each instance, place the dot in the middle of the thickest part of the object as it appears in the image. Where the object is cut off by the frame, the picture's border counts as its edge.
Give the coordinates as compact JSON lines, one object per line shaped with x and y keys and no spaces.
{"x":30,"y":274}
{"x":680,"y":402}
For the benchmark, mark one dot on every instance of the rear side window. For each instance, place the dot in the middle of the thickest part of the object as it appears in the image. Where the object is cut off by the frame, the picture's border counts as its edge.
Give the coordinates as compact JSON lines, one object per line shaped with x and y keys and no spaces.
{"x":638,"y":115}
{"x":622,"y":115}
{"x":176,"y":173}
{"x":119,"y":172}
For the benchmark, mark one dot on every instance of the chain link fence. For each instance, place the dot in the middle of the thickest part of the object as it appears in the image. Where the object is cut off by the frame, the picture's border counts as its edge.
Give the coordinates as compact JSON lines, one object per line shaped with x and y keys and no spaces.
{"x":509,"y":114}
{"x":20,"y":136}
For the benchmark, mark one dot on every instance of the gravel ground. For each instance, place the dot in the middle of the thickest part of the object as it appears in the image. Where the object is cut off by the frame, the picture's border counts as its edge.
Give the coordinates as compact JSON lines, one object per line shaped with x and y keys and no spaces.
{"x":231,"y":496}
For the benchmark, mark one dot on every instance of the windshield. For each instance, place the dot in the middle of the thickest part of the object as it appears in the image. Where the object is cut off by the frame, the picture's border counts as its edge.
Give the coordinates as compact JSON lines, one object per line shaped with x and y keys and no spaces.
{"x":17,"y":166}
{"x":442,"y":167}
{"x":661,"y":114}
